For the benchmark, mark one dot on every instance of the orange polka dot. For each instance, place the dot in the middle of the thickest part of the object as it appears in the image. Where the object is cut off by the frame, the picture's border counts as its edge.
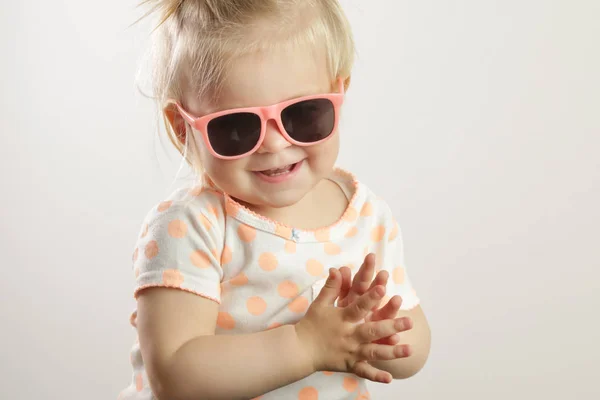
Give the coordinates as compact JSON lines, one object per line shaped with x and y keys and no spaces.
{"x":350,"y":384}
{"x":256,"y":305}
{"x":351,"y":214}
{"x":363,"y":396}
{"x":239,"y":280}
{"x":144,"y":231}
{"x":314,"y":267}
{"x":226,"y":255}
{"x":196,"y":191}
{"x":246,"y":233}
{"x":283,"y":231}
{"x":351,"y":266}
{"x":332,"y":249}
{"x":308,"y":393}
{"x":290,"y":247}
{"x":177,"y":229}
{"x":298,"y":305}
{"x":231,"y":208}
{"x":267,"y":261}
{"x":352,"y":232}
{"x":139,"y":382}
{"x":151,"y":249}
{"x":398,"y":275}
{"x":215,"y":253}
{"x":135,"y":255}
{"x":322,"y":235}
{"x":328,"y":373}
{"x":287,"y":289}
{"x":378,"y":233}
{"x":136,"y":271}
{"x":274,"y":325}
{"x":172,"y":277}
{"x":164,"y":206}
{"x":367,"y":210}
{"x":225,"y":321}
{"x":394,"y":233}
{"x":214,"y":211}
{"x":205,"y":222}
{"x":200,"y":259}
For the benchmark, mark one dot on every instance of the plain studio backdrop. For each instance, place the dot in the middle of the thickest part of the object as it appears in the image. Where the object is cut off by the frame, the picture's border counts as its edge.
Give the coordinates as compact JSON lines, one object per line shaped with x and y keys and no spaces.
{"x":478,"y":121}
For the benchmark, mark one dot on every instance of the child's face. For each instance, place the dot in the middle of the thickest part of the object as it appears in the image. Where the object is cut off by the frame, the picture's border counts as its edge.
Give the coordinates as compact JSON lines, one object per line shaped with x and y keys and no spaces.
{"x":261,"y":80}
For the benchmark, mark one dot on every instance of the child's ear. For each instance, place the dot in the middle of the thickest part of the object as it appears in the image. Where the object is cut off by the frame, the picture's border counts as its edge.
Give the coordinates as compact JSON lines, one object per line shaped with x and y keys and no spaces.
{"x":176,"y":121}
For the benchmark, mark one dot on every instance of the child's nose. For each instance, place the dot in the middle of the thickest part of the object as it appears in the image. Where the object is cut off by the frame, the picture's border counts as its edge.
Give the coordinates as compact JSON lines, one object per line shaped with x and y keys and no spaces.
{"x":274,"y":140}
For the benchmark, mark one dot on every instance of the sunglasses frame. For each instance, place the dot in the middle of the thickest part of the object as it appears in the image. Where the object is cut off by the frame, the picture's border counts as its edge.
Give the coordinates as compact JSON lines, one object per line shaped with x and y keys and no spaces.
{"x":265,"y":113}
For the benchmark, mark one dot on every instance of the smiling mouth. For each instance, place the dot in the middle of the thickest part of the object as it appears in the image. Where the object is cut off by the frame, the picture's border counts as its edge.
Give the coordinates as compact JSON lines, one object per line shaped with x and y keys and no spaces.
{"x":278,"y":171}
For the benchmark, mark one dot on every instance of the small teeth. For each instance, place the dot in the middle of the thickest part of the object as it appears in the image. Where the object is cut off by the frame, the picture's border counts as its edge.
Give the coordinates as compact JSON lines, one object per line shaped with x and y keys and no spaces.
{"x":278,"y":171}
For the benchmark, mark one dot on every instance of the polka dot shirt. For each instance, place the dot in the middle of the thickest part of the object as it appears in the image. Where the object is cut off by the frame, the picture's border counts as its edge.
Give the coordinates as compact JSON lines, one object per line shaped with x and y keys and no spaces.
{"x":263,"y":274}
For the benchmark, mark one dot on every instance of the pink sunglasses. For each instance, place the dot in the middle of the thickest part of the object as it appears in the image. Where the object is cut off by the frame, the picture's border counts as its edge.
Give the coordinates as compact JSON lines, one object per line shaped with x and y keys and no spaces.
{"x":236,"y":133}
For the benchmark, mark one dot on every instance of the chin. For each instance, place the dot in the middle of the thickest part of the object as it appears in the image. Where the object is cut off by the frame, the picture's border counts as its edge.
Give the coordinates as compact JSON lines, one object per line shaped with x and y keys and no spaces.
{"x":281,"y":199}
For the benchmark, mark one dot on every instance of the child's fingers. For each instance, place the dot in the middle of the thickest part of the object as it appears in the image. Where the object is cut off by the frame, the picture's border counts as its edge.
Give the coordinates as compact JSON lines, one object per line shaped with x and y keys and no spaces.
{"x":364,"y":275}
{"x":390,"y":340}
{"x":389,"y":310}
{"x":345,"y":288}
{"x":370,"y":331}
{"x":373,"y":352}
{"x":331,"y":290}
{"x":359,"y":308}
{"x":367,"y":371}
{"x":362,"y":278}
{"x":380,"y":279}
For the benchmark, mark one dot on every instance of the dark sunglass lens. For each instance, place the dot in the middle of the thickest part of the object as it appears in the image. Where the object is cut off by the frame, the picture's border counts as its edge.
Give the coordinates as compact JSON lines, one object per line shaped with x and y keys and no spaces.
{"x":234,"y":134}
{"x":310,"y":120}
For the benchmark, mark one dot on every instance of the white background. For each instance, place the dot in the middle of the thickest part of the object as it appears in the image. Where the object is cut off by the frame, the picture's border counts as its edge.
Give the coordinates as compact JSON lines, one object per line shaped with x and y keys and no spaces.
{"x":478,"y":121}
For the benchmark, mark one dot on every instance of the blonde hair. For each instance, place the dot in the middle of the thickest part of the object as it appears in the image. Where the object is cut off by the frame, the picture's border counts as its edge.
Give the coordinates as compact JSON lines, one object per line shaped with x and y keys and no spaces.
{"x":196,"y":40}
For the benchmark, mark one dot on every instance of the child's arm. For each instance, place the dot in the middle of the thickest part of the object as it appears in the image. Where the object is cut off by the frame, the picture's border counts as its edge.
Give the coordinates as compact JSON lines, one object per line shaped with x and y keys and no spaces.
{"x":185,"y":360}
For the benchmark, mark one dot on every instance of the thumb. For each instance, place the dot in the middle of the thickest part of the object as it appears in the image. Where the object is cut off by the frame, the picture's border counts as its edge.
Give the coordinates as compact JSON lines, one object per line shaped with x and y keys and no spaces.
{"x":331,"y":290}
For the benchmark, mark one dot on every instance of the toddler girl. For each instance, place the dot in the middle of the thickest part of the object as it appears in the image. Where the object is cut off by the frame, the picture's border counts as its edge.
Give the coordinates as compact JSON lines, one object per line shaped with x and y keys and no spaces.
{"x":257,"y":282}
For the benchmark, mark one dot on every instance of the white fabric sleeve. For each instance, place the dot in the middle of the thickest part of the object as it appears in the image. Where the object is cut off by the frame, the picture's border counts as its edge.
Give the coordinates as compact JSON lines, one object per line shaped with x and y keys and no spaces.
{"x":399,"y":282}
{"x":180,"y":247}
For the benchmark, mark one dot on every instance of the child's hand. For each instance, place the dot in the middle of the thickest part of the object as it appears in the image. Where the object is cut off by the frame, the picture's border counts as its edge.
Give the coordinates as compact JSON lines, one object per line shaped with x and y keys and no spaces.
{"x":363,"y":281}
{"x":335,"y":339}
